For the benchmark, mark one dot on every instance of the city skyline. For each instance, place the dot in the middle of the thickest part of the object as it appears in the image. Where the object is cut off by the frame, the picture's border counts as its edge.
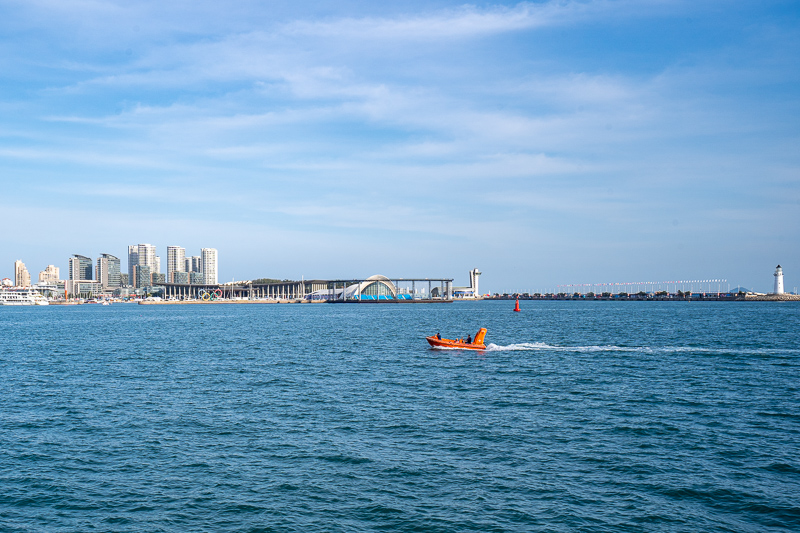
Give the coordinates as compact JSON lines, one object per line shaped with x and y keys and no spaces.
{"x":548,"y":143}
{"x":106,"y":270}
{"x":195,"y":265}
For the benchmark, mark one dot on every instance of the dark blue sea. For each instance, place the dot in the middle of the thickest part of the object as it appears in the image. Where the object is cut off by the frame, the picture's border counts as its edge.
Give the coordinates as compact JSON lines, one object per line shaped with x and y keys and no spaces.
{"x":581,"y":416}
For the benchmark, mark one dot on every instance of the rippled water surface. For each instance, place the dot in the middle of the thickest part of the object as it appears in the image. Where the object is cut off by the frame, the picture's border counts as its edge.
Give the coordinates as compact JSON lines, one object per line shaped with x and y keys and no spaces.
{"x":580,"y":416}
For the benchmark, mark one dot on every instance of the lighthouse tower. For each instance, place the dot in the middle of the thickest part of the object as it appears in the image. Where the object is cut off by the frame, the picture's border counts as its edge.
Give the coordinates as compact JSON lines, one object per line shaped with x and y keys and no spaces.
{"x":778,"y":280}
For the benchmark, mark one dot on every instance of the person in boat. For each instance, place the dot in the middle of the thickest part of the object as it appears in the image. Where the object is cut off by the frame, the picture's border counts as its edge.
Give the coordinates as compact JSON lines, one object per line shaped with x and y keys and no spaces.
{"x":438,"y":336}
{"x":469,"y":339}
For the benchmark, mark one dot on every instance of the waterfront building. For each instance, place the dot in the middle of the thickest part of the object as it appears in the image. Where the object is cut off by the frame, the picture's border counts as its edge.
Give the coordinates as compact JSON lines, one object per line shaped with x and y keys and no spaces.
{"x":108,"y":272}
{"x":22,"y":278}
{"x":80,"y":268}
{"x":209,"y":265}
{"x":176,"y":261}
{"x":180,"y":278}
{"x":124,"y":281}
{"x":83,"y":288}
{"x":196,"y":278}
{"x":778,"y":280}
{"x":158,"y":278}
{"x":142,"y":276}
{"x":372,"y":289}
{"x":50,"y":274}
{"x":472,"y":291}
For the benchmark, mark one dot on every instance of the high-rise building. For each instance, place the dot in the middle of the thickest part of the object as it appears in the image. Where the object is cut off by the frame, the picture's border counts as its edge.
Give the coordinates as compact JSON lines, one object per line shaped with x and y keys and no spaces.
{"x":22,"y":278}
{"x":143,"y":276}
{"x":193,"y":263}
{"x":133,"y":260}
{"x":145,"y":255}
{"x":209,"y":265}
{"x":180,"y":277}
{"x":123,"y":280}
{"x":157,"y":267}
{"x":80,"y":268}
{"x":50,"y":274}
{"x":176,"y":261}
{"x":108,"y":271}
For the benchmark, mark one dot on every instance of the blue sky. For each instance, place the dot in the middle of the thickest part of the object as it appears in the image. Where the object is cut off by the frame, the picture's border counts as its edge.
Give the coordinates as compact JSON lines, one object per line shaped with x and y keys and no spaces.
{"x":545,"y":143}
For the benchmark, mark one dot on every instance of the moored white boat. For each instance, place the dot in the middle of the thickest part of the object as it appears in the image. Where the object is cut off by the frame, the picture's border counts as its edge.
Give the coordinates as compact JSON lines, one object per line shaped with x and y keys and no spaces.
{"x":21,"y":296}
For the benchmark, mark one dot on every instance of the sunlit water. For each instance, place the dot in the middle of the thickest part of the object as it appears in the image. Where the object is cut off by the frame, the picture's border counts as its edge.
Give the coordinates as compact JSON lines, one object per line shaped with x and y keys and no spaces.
{"x":593,"y":416}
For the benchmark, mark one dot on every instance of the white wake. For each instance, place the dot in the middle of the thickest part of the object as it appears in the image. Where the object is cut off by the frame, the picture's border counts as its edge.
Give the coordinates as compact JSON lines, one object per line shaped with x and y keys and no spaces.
{"x":539,"y":346}
{"x":542,"y":346}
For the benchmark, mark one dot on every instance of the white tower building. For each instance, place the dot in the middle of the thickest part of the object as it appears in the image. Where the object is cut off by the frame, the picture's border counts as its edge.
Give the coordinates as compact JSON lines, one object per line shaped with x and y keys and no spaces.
{"x":474,"y":276}
{"x":147,"y":256}
{"x":209,"y":265}
{"x":778,"y":280}
{"x":22,"y":277}
{"x":176,"y":261}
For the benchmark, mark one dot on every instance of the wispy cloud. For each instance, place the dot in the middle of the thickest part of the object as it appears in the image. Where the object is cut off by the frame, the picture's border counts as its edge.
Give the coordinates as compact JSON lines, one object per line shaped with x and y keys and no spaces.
{"x":467,"y":21}
{"x":454,"y":123}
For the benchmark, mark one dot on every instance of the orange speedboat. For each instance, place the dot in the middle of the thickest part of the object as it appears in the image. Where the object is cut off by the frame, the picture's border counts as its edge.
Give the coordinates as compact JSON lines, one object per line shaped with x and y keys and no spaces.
{"x":477,"y":344}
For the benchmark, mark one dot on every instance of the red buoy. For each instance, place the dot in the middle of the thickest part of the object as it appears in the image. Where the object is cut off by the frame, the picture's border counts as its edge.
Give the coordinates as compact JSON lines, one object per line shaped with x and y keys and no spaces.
{"x":516,"y":307}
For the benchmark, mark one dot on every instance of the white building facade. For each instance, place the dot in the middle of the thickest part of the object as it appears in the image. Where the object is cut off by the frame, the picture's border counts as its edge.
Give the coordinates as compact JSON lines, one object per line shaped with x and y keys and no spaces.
{"x":209,"y":266}
{"x":50,"y":274}
{"x":22,"y":277}
{"x":176,"y":261}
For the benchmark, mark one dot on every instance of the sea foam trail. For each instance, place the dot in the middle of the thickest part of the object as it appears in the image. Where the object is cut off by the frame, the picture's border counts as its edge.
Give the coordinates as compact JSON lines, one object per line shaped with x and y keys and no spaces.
{"x":542,"y":346}
{"x":537,"y":346}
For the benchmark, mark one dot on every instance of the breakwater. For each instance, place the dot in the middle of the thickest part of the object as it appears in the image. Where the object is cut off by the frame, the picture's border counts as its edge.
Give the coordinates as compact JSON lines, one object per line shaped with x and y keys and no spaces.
{"x":658,"y":297}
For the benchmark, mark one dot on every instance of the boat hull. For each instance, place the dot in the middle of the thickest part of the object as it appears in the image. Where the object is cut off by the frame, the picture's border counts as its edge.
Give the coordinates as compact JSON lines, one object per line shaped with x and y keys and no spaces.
{"x":443,"y":344}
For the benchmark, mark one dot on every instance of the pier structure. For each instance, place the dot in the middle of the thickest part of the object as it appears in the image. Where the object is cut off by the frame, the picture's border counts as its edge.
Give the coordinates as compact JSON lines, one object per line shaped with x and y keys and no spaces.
{"x":354,"y":290}
{"x":380,"y":289}
{"x":698,"y":286}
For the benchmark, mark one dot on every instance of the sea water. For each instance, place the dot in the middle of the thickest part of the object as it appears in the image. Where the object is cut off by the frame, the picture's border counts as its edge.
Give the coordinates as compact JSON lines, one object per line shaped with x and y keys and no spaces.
{"x":580,"y":416}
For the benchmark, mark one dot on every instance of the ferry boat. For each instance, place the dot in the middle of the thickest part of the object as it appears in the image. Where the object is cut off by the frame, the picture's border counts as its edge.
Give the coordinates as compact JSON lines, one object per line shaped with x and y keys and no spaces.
{"x":21,"y":296}
{"x":437,"y":342}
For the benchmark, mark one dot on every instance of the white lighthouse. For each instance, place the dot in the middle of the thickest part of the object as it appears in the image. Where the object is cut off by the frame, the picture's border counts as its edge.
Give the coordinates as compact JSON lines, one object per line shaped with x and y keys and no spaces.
{"x":778,"y":280}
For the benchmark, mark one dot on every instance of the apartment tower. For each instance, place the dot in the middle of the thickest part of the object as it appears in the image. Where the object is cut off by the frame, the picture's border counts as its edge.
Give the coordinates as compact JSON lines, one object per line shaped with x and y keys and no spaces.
{"x":22,"y":278}
{"x":208,"y":261}
{"x":176,"y":262}
{"x":108,"y":271}
{"x":80,"y":268}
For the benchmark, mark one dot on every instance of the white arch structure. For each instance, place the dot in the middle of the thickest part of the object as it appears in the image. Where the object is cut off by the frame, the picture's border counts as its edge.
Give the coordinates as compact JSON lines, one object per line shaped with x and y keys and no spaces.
{"x":377,"y":279}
